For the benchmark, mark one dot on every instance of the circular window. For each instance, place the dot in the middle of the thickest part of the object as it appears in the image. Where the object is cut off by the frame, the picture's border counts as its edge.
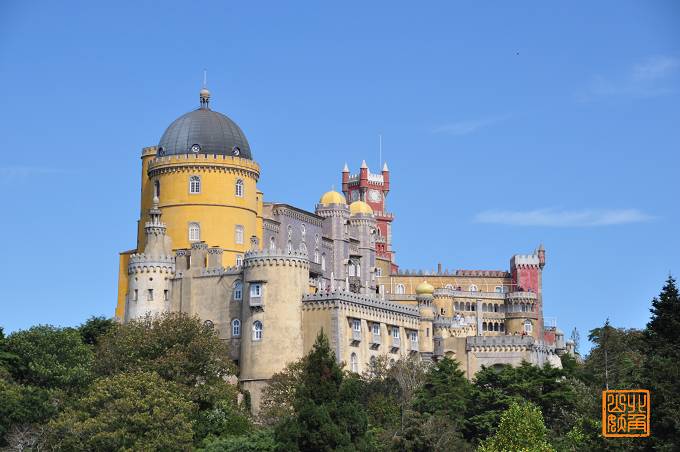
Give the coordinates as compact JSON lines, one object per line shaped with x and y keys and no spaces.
{"x":195,"y":148}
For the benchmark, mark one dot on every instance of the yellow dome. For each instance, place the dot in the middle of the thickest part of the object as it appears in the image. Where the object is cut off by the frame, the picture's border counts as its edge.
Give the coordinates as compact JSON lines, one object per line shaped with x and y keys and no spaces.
{"x":332,"y":197}
{"x":360,"y":207}
{"x":425,"y":288}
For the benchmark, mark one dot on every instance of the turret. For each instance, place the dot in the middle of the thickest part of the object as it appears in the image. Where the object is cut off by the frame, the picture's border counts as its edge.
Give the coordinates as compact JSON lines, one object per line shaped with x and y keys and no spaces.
{"x":345,"y":180}
{"x":149,"y":272}
{"x":424,"y":296}
{"x":386,"y":178}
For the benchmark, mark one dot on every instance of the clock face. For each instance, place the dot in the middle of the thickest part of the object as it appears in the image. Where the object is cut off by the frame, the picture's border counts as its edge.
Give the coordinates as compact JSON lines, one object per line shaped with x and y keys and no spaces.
{"x":236,"y":151}
{"x":195,"y":148}
{"x":374,"y":195}
{"x":355,"y":195}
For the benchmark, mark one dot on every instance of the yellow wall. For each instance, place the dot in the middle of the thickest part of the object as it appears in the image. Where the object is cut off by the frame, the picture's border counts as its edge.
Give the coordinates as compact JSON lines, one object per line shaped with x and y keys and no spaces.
{"x":216,"y":208}
{"x":122,"y":283}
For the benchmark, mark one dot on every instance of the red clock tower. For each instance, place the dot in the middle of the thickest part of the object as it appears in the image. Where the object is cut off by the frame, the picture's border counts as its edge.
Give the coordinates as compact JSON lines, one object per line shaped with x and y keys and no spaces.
{"x":372,"y":189}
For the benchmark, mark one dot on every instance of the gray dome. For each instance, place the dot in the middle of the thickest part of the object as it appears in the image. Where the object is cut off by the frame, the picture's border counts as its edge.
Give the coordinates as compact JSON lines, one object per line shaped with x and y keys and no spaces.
{"x":213,"y":132}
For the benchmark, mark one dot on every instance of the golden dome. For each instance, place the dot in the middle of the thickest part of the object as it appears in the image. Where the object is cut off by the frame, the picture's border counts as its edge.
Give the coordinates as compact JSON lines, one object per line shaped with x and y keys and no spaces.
{"x":425,"y":288}
{"x":360,"y":207}
{"x":332,"y":197}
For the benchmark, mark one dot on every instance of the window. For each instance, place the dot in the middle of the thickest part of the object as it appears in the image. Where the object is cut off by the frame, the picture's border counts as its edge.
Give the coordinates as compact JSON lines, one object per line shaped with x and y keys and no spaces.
{"x":375,"y":328}
{"x":356,"y":325}
{"x":195,"y":184}
{"x":414,"y":336}
{"x":239,"y":188}
{"x":316,"y":239}
{"x":323,"y":262}
{"x":400,"y":289}
{"x":354,"y":363}
{"x":395,"y":332}
{"x":528,"y":327}
{"x":272,"y":243}
{"x":239,"y":260}
{"x":303,"y":247}
{"x":472,"y":288}
{"x":157,"y":189}
{"x":255,"y":290}
{"x":236,"y":328}
{"x":166,"y":295}
{"x":290,"y":247}
{"x":316,"y":256}
{"x":483,"y":326}
{"x":194,"y":232}
{"x":149,"y":295}
{"x":378,"y":271}
{"x":134,"y":296}
{"x":290,"y":232}
{"x":499,"y":289}
{"x":257,"y":330}
{"x":303,"y":231}
{"x":238,"y":234}
{"x":238,"y":291}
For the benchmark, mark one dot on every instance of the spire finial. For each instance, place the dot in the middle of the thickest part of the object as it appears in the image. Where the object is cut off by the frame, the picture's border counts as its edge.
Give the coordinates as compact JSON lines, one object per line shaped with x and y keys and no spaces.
{"x":204,"y":94}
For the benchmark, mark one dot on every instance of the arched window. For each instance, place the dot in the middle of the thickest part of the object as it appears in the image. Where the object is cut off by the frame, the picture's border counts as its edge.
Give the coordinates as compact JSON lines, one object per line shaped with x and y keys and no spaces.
{"x":316,"y":256}
{"x":236,"y":328}
{"x":272,"y":243}
{"x":323,"y":262}
{"x":157,"y":189}
{"x":290,"y":247}
{"x":303,"y":231}
{"x":303,"y":247}
{"x":239,"y":260}
{"x":194,"y":184}
{"x":483,"y":307}
{"x":354,"y":363}
{"x":472,"y":288}
{"x":467,"y":306}
{"x":257,"y":330}
{"x":501,"y":328}
{"x":316,"y":239}
{"x":495,"y":326}
{"x":238,"y":234}
{"x":400,"y":289}
{"x":238,"y":291}
{"x":194,"y":232}
{"x":239,"y":188}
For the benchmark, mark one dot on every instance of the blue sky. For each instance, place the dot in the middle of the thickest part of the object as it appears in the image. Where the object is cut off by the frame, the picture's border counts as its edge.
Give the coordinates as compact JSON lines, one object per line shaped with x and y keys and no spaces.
{"x":504,"y":125}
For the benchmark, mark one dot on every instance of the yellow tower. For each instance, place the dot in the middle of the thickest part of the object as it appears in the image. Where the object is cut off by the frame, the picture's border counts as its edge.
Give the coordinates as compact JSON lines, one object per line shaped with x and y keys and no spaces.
{"x":205,"y":179}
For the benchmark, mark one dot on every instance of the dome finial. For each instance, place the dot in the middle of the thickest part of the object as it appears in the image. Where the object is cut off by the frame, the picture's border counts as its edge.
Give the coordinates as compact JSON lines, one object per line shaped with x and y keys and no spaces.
{"x":204,"y":94}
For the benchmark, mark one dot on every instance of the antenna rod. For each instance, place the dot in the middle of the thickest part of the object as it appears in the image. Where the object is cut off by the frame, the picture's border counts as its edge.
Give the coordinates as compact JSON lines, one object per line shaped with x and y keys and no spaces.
{"x":205,"y":78}
{"x":380,"y":152}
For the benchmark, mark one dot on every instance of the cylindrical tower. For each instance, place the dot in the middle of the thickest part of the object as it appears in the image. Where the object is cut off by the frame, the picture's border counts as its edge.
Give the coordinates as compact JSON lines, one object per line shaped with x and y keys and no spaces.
{"x":362,"y":223}
{"x":271,"y":316}
{"x":204,"y":176}
{"x":425,"y":298}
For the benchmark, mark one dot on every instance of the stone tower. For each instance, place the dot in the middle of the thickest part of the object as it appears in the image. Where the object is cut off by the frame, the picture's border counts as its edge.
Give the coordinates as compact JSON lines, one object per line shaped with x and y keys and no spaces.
{"x":271,"y":315}
{"x":149,"y":273}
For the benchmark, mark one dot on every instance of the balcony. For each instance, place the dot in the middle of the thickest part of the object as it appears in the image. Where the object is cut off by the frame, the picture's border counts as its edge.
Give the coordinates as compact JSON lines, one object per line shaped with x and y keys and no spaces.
{"x":396,"y":343}
{"x":255,"y":302}
{"x":315,"y":268}
{"x":521,"y":296}
{"x":375,"y":339}
{"x":356,"y":336}
{"x":414,"y":346}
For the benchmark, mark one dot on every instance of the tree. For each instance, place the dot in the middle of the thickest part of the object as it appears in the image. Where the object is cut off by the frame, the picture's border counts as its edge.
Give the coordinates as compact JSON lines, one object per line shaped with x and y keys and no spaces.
{"x":521,"y":429}
{"x":50,"y":357}
{"x":327,"y":413}
{"x":279,"y":395}
{"x":616,"y":359}
{"x":128,"y":411}
{"x":576,"y":339}
{"x":94,"y":328}
{"x":24,"y":407}
{"x":261,"y":440}
{"x":178,"y":347}
{"x":661,"y":371}
{"x":444,"y":392}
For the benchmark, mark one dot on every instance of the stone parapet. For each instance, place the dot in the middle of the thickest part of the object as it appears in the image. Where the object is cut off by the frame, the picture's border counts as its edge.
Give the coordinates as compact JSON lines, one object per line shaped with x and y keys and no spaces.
{"x":214,"y":162}
{"x":445,"y":292}
{"x":275,"y":258}
{"x":488,"y":343}
{"x":521,"y":296}
{"x":342,"y":297}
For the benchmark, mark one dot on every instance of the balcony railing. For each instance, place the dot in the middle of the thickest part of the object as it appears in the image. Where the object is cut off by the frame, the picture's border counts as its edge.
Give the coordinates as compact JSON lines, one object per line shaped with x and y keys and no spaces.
{"x":375,"y":339}
{"x":521,"y":296}
{"x":356,"y":336}
{"x":414,"y":346}
{"x":255,"y":301}
{"x":396,"y":342}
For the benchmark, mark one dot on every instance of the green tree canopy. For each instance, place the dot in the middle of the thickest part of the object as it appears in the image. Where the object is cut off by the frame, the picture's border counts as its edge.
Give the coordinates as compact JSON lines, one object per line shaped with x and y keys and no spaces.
{"x":327,"y":412}
{"x":50,"y":357}
{"x":128,"y":411}
{"x":521,"y":429}
{"x":94,"y":328}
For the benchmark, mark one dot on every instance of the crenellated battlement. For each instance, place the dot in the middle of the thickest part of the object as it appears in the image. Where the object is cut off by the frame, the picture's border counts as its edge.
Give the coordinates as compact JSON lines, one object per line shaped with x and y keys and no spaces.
{"x":343,"y":296}
{"x":276,"y":258}
{"x":209,"y":162}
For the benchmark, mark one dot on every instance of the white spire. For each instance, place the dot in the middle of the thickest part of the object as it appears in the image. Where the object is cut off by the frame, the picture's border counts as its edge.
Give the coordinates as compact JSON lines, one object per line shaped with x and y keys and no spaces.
{"x":345,"y":169}
{"x":385,"y":167}
{"x":363,"y":164}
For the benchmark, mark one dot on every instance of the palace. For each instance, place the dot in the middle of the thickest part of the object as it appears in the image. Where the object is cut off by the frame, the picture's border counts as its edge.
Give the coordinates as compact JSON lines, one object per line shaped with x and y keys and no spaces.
{"x":270,"y":276}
